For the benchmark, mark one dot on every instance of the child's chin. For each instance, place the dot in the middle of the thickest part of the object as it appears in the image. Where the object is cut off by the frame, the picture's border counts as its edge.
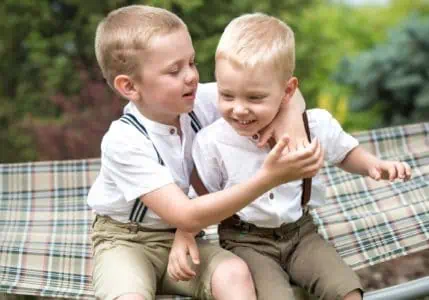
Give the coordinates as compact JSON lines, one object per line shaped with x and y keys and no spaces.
{"x":187,"y":109}
{"x":246,"y":133}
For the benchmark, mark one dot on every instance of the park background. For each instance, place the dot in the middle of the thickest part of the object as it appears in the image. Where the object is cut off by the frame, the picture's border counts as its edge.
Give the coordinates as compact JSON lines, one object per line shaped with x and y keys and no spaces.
{"x":367,"y":62}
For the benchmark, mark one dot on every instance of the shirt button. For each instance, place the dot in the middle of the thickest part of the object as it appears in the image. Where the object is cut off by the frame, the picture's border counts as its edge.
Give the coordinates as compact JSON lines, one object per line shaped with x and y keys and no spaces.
{"x":172,"y":131}
{"x":255,"y":137}
{"x":271,"y":195}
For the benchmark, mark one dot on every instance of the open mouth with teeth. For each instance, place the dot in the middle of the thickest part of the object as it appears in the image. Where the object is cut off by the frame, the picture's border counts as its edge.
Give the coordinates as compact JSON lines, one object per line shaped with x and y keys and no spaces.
{"x":244,"y":122}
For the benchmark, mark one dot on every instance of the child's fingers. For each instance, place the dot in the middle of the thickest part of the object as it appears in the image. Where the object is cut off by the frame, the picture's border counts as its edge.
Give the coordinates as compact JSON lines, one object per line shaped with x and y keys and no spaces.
{"x":178,"y":267}
{"x":286,"y":150}
{"x":306,"y":153}
{"x":316,"y":162}
{"x":195,"y":254}
{"x":374,"y":174}
{"x":314,"y":157}
{"x":309,"y":159}
{"x":404,"y":170}
{"x":392,"y":171}
{"x":311,"y":153}
{"x":172,"y":270}
{"x":300,"y":144}
{"x":400,"y":169}
{"x":305,"y":143}
{"x":278,"y":148}
{"x":185,"y":271}
{"x":407,"y":170}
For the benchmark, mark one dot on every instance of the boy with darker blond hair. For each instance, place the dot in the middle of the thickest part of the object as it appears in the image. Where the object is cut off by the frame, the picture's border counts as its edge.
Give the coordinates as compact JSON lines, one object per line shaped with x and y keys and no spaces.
{"x":140,"y":195}
{"x":274,"y":234}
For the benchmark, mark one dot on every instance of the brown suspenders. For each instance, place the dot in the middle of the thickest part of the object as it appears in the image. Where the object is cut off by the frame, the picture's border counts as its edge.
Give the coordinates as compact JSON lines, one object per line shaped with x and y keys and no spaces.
{"x":306,"y":182}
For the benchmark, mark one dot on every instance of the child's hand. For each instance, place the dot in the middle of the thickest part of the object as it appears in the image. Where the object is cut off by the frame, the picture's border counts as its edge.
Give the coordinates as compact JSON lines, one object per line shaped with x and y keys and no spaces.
{"x":285,"y":166}
{"x":287,"y":121}
{"x":178,"y":265}
{"x":293,"y":126}
{"x":390,"y":170}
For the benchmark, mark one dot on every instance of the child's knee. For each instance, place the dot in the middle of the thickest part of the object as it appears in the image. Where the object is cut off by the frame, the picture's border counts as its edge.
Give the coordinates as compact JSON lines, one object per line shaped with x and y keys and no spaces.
{"x":132,"y":296}
{"x":233,"y":271}
{"x":354,"y":295}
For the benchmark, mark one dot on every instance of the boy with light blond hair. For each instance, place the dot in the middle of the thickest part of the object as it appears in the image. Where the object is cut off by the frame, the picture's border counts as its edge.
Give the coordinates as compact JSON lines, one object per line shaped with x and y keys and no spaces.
{"x":140,"y":195}
{"x":275,"y":234}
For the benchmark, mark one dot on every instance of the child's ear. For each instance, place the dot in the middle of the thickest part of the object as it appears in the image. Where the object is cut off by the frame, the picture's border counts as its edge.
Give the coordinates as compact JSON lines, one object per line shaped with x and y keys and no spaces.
{"x":126,"y":87}
{"x":291,"y":86}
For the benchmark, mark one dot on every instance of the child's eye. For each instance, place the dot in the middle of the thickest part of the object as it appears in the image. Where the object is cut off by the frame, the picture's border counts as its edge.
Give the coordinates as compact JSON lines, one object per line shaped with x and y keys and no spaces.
{"x":174,"y":71}
{"x":226,"y":96}
{"x":256,"y":97}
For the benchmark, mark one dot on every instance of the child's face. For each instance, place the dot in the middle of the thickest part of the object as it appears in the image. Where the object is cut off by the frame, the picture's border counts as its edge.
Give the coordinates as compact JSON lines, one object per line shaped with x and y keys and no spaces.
{"x":169,"y":78}
{"x":249,"y":99}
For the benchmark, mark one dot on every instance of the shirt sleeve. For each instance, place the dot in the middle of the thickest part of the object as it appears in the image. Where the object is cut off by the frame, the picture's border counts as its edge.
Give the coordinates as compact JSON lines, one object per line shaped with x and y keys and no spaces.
{"x":336,"y":142}
{"x":206,"y":162}
{"x":207,"y":102}
{"x":132,"y":164}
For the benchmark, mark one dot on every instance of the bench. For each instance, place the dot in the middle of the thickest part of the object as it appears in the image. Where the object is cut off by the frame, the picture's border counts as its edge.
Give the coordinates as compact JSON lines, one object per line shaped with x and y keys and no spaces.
{"x":45,"y":223}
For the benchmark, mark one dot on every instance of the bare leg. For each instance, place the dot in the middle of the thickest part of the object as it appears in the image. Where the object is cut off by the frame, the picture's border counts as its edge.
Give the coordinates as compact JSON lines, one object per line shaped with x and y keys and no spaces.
{"x":131,"y":297}
{"x":353,"y":295}
{"x":232,"y":280}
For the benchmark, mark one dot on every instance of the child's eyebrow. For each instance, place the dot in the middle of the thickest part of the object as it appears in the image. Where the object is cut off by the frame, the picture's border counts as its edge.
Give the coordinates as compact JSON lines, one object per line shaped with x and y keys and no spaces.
{"x":224,"y":90}
{"x":259,"y":92}
{"x":180,"y":60}
{"x":172,"y":63}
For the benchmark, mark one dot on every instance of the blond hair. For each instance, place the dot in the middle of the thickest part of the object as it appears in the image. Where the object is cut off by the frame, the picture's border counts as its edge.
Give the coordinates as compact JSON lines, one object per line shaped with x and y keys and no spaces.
{"x":254,"y":39}
{"x":123,"y":36}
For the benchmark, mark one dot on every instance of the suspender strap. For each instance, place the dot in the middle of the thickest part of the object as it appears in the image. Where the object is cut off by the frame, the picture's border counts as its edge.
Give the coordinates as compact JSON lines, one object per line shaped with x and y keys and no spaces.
{"x":306,"y":182}
{"x":132,"y":120}
{"x":195,"y":123}
{"x":139,"y":209}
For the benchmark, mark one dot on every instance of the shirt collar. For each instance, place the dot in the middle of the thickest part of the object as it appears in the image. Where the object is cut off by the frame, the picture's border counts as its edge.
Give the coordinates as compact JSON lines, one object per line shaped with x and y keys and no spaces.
{"x":150,"y":125}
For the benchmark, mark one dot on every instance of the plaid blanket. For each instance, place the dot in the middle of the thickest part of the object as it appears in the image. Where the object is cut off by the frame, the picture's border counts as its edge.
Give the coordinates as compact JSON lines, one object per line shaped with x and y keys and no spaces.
{"x":45,"y":222}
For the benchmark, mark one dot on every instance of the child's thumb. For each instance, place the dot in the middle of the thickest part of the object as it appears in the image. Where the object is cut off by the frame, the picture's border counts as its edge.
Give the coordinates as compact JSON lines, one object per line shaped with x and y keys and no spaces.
{"x":374,"y":174}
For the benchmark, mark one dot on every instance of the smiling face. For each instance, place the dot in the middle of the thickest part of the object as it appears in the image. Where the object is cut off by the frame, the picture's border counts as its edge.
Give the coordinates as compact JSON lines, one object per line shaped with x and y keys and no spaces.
{"x":169,"y":77}
{"x":249,"y":99}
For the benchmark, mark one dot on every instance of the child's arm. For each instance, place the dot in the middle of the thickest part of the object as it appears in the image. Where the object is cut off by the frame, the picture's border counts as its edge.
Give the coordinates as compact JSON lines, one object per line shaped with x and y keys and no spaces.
{"x":362,"y":162}
{"x":172,"y":205}
{"x":184,"y":243}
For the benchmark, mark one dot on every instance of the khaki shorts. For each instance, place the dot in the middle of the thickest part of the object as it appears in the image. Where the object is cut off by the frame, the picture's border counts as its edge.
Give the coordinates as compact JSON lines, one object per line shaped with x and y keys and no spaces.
{"x":132,"y":259}
{"x":291,"y":255}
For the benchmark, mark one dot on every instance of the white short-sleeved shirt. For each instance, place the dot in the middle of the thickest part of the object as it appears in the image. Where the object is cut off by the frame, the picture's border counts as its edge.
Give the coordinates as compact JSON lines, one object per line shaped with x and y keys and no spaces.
{"x":223,"y":158}
{"x":130,"y":166}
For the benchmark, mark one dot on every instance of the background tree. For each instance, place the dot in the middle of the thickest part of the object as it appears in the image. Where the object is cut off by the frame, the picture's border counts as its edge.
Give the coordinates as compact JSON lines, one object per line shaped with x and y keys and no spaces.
{"x":394,"y":76}
{"x":327,"y":33}
{"x":54,"y":104}
{"x":52,"y":101}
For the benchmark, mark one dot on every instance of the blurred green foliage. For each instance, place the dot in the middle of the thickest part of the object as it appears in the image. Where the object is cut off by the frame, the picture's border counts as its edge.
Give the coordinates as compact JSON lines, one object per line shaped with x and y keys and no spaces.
{"x":393,"y":76}
{"x":50,"y":95}
{"x":330,"y":32}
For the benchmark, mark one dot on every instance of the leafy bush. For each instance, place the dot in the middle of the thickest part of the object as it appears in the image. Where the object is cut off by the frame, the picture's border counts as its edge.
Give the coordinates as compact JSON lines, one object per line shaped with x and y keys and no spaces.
{"x":85,"y":118}
{"x":48,"y":109}
{"x":393,"y":76}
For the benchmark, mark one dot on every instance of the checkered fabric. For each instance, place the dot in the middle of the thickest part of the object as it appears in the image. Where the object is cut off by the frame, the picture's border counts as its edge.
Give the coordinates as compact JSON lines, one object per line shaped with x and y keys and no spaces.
{"x":45,"y":222}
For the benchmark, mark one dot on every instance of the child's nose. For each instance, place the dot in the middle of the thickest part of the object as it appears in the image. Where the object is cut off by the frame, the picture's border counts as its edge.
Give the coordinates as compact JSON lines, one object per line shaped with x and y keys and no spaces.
{"x":240,"y":110}
{"x":191,"y":76}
